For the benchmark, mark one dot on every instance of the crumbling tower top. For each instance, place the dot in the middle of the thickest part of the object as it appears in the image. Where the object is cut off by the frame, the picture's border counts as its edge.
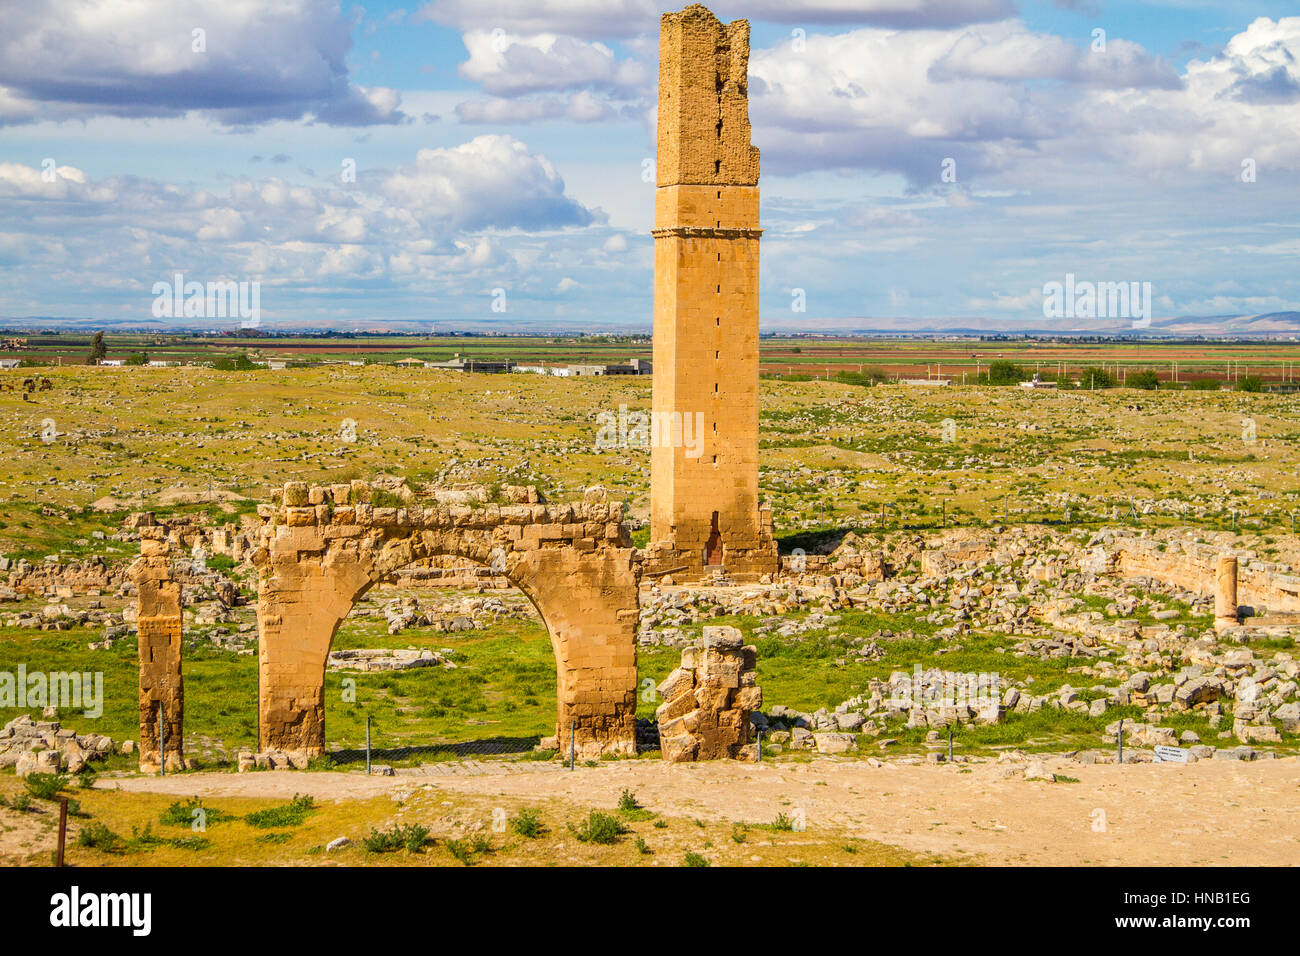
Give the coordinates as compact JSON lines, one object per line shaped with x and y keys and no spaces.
{"x":703,"y":101}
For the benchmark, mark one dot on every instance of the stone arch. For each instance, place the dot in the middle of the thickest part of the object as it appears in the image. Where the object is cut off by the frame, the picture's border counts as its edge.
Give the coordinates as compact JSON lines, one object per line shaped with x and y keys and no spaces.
{"x":322,"y":548}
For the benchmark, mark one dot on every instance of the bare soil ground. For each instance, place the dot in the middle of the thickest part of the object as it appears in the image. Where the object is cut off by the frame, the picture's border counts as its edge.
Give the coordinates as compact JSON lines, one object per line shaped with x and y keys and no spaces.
{"x":1204,"y":814}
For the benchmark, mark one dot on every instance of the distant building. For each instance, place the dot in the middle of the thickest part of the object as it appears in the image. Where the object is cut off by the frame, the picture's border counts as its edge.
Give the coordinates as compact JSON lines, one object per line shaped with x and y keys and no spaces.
{"x":9,"y":363}
{"x":1036,"y":382}
{"x":162,"y":363}
{"x":925,"y":381}
{"x":630,"y":367}
{"x":458,"y":363}
{"x":112,"y":362}
{"x":277,"y":364}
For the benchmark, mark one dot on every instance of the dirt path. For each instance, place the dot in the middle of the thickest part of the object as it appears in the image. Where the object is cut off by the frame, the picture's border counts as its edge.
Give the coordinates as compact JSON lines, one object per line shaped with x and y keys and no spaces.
{"x":1209,"y":813}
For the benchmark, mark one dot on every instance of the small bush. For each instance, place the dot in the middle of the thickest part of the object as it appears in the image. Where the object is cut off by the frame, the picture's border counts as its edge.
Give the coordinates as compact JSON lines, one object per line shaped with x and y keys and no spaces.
{"x":411,"y":836}
{"x":630,"y":809}
{"x":45,"y":786}
{"x":783,"y":823}
{"x":527,"y":824}
{"x":1146,"y":380}
{"x":240,"y":363}
{"x":99,"y":837}
{"x":290,"y":815}
{"x":1002,"y":372}
{"x":694,"y":859}
{"x":460,"y":849}
{"x":867,"y":377}
{"x":642,"y":847}
{"x":181,"y":813}
{"x":193,"y":842}
{"x":1251,"y":383}
{"x":1096,"y":378}
{"x":599,"y":827}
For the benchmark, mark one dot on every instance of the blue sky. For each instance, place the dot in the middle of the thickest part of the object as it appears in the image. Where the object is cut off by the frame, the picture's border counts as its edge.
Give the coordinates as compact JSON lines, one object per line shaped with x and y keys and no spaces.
{"x":501,"y":145}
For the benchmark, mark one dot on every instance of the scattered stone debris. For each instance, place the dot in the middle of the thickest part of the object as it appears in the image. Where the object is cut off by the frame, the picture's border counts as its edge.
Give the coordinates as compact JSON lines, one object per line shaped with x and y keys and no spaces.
{"x":45,"y":746}
{"x":374,"y":659}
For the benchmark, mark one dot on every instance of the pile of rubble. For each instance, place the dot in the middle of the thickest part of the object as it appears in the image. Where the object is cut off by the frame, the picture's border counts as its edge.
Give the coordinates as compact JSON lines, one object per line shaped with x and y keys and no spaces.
{"x":708,"y":701}
{"x":44,"y":746}
{"x":55,"y":616}
{"x":377,"y":659}
{"x":466,"y":614}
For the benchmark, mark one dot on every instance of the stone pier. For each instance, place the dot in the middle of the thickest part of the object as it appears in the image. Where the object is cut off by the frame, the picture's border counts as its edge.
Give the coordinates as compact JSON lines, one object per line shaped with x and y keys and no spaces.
{"x":1225,"y":592}
{"x":161,"y":682}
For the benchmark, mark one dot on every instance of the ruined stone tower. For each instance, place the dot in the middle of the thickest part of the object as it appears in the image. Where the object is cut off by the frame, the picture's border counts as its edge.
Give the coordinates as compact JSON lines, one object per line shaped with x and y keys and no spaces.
{"x":704,"y":460}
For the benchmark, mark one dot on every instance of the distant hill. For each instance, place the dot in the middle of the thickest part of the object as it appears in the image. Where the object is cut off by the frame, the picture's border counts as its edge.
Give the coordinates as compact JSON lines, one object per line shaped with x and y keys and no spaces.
{"x":1269,"y":324}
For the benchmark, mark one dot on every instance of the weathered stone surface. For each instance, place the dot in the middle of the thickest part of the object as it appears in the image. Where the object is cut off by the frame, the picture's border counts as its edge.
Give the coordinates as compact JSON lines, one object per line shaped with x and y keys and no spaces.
{"x":835,"y":743}
{"x":1199,"y":690}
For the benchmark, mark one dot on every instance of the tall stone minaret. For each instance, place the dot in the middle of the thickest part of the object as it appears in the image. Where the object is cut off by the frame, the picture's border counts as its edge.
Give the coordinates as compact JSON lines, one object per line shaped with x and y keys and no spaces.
{"x":704,"y":462}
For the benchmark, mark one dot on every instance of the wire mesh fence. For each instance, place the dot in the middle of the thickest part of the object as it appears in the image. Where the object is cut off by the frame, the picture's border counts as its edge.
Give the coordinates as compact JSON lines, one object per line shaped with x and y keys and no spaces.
{"x":381,"y":751}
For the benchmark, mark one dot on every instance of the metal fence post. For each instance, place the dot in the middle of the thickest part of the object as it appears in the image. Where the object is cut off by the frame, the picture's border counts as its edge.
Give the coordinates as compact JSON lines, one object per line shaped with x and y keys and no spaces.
{"x":573,"y":750}
{"x":1119,"y":738}
{"x":760,"y":746}
{"x":162,"y":742}
{"x":367,"y":745}
{"x":950,"y":745}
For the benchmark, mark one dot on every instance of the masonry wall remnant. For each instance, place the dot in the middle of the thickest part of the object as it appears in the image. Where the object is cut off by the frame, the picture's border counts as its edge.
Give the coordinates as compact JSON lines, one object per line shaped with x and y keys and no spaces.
{"x":162,"y":690}
{"x":705,"y":510}
{"x":1255,"y":583}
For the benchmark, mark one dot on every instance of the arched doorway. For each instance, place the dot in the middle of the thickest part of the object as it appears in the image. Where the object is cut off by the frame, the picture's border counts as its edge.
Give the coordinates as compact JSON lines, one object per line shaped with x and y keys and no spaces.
{"x":323,"y":547}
